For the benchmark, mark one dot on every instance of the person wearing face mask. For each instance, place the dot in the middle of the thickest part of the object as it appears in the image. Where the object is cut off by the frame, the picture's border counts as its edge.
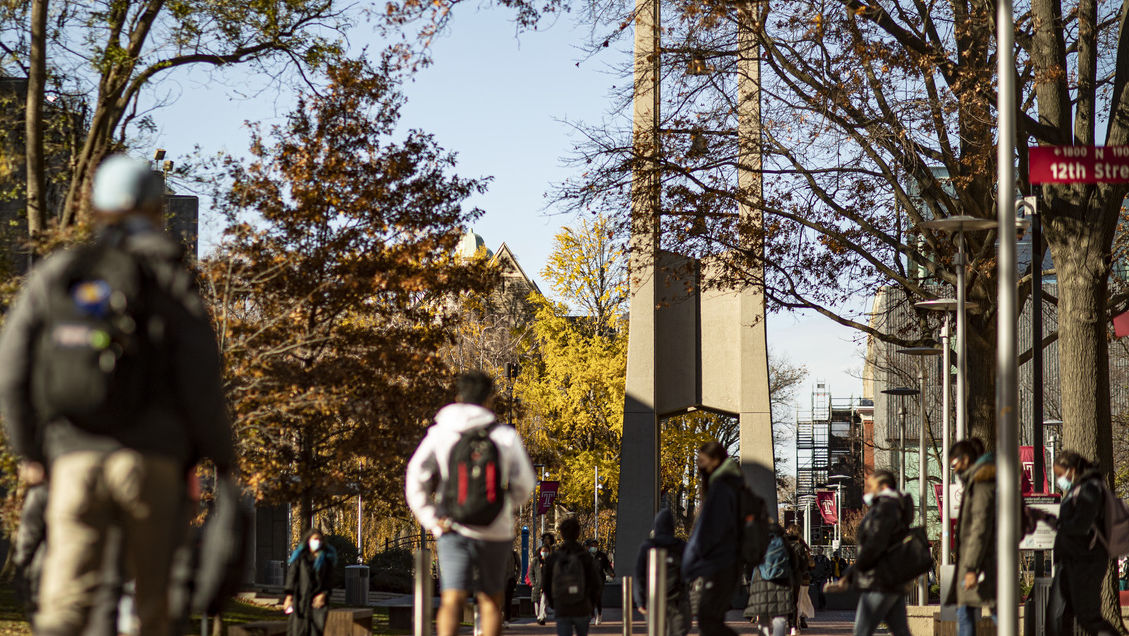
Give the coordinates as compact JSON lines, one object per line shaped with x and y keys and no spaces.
{"x":975,"y":586}
{"x":886,"y":522}
{"x":712,"y":558}
{"x":536,"y":582}
{"x":308,"y":583}
{"x":1080,"y":557}
{"x":604,"y":567}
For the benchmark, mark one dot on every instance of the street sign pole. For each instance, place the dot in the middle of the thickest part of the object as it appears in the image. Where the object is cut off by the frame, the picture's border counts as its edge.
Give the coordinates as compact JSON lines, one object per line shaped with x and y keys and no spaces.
{"x":1007,"y":430}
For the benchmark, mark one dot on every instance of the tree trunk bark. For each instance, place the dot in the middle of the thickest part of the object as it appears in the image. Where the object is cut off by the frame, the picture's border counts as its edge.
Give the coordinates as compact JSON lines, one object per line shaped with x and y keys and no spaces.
{"x":33,"y":119}
{"x":982,"y":381}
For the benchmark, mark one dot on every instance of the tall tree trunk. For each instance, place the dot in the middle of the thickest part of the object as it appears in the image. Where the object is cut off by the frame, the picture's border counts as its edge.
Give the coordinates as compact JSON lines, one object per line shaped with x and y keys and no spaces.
{"x":982,"y":381}
{"x":36,"y":82}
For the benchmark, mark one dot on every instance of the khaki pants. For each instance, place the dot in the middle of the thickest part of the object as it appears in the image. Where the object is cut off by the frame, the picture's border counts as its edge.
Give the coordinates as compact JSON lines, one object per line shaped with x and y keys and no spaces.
{"x":89,"y":492}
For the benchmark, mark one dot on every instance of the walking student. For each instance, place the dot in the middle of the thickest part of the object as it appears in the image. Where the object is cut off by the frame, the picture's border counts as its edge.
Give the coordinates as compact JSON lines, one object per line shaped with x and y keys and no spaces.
{"x":772,"y":585}
{"x":537,"y":582}
{"x":110,"y":380}
{"x":677,"y":596}
{"x":712,"y":559}
{"x":309,"y":580}
{"x":886,"y":521}
{"x":804,"y":565}
{"x":1080,"y":557}
{"x":462,"y":484}
{"x":605,"y":569}
{"x":572,"y":583}
{"x":975,"y":586}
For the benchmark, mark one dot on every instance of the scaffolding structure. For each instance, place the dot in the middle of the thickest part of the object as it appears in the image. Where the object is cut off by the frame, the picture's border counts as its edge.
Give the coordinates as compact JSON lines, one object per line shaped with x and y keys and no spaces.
{"x":829,"y":442}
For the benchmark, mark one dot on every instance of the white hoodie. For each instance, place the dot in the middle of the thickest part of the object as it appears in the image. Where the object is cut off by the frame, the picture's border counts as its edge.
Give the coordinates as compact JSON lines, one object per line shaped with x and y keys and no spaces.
{"x":428,"y":468}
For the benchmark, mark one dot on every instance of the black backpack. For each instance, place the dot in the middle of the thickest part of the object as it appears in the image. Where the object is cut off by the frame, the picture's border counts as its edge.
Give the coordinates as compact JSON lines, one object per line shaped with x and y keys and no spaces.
{"x":97,"y":348}
{"x":474,"y":492}
{"x":570,"y":583}
{"x":753,"y":532}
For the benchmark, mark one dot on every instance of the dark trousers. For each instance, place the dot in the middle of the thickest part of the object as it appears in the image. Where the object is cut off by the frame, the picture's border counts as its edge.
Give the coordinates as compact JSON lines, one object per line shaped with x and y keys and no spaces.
{"x":508,"y":609}
{"x":881,"y":607}
{"x":1076,"y":595}
{"x":569,"y":625}
{"x":714,"y":599}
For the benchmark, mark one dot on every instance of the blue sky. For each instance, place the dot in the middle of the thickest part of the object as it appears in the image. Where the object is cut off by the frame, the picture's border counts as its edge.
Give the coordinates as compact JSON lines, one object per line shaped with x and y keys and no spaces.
{"x":497,"y":99}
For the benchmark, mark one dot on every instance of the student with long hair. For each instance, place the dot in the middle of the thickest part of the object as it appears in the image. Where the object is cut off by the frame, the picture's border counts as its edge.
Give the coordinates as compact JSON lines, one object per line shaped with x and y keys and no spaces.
{"x":308,"y":583}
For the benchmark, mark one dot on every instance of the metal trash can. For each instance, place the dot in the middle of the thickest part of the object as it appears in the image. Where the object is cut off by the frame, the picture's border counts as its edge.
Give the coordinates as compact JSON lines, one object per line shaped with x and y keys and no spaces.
{"x":276,"y":574}
{"x":356,"y":585}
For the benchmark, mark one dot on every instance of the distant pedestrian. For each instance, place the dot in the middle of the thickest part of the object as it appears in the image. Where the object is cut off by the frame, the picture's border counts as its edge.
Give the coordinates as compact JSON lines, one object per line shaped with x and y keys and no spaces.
{"x":604,"y":567}
{"x":1081,"y":559}
{"x":772,"y":585}
{"x":886,"y":521}
{"x":511,"y":588}
{"x":975,"y":586}
{"x":804,"y":565}
{"x":572,"y":583}
{"x":677,"y":594}
{"x":712,"y":560}
{"x":462,"y":484}
{"x":821,"y":574}
{"x":309,"y":580}
{"x":110,"y":380}
{"x":537,"y":583}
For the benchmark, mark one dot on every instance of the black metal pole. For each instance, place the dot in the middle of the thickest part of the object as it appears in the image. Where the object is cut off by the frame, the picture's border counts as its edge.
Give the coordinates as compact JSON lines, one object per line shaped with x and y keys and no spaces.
{"x":1039,"y":471}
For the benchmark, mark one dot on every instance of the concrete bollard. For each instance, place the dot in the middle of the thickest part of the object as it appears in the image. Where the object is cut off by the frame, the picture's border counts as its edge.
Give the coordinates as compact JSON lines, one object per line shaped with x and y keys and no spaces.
{"x":421,"y":602}
{"x":656,"y":592}
{"x":628,"y":606}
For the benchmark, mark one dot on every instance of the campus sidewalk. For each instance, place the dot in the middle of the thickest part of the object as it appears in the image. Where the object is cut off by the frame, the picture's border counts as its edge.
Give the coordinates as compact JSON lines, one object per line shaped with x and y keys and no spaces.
{"x":826,"y":623}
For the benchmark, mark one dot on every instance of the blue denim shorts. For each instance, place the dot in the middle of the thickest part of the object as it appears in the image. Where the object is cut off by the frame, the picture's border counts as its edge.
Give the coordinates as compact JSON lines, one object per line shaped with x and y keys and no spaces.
{"x":473,"y":565}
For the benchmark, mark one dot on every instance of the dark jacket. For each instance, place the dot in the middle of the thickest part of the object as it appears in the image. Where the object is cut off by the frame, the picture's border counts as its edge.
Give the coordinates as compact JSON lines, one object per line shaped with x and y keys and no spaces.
{"x":713,"y":544}
{"x":768,"y":599}
{"x":537,"y":575}
{"x":186,"y":419}
{"x":976,"y":533}
{"x":662,"y":536}
{"x":594,"y":587}
{"x":1083,"y":507}
{"x":887,"y":521}
{"x":603,"y":564}
{"x":309,"y":575}
{"x":804,"y":562}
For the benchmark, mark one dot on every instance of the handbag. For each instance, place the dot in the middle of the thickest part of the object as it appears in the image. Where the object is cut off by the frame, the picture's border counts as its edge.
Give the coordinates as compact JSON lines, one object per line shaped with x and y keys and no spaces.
{"x":905,"y":560}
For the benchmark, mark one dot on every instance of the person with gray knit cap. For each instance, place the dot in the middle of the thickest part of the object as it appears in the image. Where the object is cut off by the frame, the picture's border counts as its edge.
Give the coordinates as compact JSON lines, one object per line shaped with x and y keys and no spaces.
{"x":110,"y":381}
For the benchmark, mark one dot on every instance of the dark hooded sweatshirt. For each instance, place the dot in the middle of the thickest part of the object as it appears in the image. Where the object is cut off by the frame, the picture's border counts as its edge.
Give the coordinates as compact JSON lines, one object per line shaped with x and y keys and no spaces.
{"x":677,"y":596}
{"x":713,"y":546}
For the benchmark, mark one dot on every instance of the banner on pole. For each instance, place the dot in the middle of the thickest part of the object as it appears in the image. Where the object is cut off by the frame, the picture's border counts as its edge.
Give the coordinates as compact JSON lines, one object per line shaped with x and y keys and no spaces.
{"x":1027,"y":460}
{"x":825,"y":499}
{"x":546,"y":494}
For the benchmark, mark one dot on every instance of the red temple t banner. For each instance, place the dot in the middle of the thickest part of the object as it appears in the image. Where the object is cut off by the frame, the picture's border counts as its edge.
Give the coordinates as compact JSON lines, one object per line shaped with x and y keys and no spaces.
{"x":545,"y":496}
{"x":825,"y":499}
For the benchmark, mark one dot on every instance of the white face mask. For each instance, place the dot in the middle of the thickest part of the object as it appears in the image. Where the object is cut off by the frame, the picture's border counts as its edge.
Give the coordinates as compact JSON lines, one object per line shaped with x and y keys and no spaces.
{"x":315,"y":545}
{"x":868,"y":499}
{"x":1064,"y":484}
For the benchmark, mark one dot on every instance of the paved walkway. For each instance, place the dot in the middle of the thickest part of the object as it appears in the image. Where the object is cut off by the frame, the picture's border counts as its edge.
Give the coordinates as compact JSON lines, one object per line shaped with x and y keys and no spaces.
{"x":826,"y":623}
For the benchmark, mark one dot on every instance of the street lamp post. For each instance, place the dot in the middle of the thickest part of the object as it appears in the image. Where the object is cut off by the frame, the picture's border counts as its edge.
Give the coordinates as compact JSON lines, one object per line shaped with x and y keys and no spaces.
{"x":947,"y":305}
{"x":901,"y":391}
{"x":922,"y":458}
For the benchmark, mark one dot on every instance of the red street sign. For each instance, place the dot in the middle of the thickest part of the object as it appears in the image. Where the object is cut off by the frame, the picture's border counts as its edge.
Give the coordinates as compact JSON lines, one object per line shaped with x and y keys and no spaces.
{"x":545,"y":496}
{"x":1079,"y":164}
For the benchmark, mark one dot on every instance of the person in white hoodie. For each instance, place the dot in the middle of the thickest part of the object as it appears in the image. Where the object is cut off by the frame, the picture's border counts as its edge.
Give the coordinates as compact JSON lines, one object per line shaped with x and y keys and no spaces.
{"x":473,"y":556}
